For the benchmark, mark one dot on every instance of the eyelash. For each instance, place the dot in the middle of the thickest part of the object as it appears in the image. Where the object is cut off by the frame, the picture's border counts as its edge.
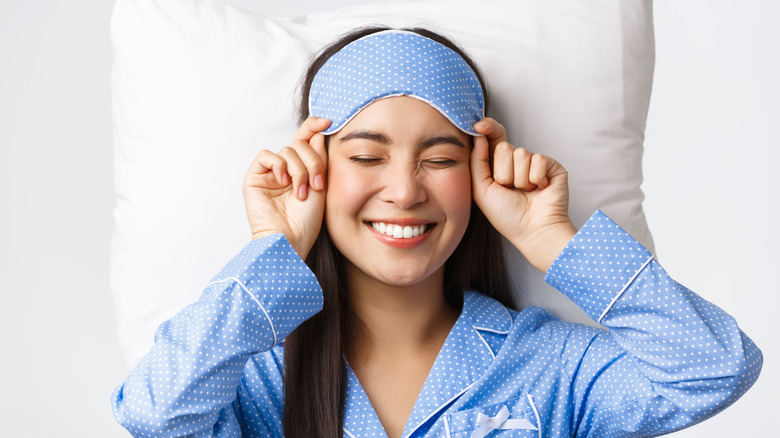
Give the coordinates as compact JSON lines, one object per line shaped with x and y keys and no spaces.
{"x":441,"y":163}
{"x":434,"y":163}
{"x":364,"y":160}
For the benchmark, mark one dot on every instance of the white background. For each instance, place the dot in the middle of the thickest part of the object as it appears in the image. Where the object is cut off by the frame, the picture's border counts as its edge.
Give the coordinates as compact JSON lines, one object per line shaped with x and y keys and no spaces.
{"x":711,"y":166}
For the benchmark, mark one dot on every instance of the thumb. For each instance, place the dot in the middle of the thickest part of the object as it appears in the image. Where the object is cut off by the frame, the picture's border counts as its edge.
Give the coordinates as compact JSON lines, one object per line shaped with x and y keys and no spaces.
{"x":317,"y":143}
{"x":480,"y":166}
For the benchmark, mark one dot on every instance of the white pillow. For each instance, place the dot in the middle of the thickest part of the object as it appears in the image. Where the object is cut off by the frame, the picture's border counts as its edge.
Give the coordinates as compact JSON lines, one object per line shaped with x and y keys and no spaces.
{"x":199,"y":87}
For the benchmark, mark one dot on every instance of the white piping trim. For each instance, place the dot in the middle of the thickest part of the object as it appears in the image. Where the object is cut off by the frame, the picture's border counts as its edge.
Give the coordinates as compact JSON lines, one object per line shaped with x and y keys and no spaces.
{"x":447,"y":428}
{"x":347,"y":432}
{"x":407,"y":94}
{"x":240,"y":283}
{"x":439,"y":408}
{"x":625,"y":286}
{"x":485,"y":342}
{"x":538,"y":420}
{"x":485,"y":329}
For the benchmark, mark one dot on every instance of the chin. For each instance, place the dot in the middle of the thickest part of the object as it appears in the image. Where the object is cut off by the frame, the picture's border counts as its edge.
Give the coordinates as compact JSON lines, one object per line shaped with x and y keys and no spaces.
{"x":402,"y":280}
{"x":400,"y":276}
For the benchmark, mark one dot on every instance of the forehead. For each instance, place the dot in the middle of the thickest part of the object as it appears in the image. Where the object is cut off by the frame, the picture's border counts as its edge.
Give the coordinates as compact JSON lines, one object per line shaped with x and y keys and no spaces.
{"x":402,"y":115}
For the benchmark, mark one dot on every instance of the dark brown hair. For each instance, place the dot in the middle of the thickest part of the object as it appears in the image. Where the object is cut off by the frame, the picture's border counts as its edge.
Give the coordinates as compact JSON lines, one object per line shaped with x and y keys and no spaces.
{"x":314,"y":368}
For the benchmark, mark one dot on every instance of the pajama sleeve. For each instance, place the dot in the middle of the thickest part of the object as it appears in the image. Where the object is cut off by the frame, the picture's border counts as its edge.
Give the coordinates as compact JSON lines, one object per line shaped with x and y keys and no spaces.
{"x":669,"y":358}
{"x":188,"y":382}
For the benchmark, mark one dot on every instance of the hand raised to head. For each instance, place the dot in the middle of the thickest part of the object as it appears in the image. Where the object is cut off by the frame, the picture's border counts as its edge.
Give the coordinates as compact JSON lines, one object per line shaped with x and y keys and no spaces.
{"x":524,"y":195}
{"x":284,"y":192}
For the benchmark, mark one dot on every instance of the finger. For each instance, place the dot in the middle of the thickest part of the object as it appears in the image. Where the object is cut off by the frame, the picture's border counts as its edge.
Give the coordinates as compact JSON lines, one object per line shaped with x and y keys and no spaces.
{"x":297,"y":171}
{"x":311,"y":126}
{"x":503,"y":165}
{"x":480,"y":161}
{"x":312,"y":161}
{"x":540,"y":167}
{"x":491,"y":129}
{"x":522,"y":158}
{"x":318,"y":143}
{"x":267,"y":161}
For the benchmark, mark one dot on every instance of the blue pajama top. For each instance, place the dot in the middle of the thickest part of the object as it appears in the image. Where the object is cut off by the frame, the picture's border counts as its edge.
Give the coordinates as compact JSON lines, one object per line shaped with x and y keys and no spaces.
{"x":668,"y":358}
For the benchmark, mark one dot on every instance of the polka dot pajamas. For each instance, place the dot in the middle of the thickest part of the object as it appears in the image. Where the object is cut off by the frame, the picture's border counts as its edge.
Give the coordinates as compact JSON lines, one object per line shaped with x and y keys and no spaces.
{"x":668,"y":359}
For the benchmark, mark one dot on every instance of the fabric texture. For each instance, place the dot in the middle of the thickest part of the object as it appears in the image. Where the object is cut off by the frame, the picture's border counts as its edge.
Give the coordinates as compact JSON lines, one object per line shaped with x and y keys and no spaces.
{"x":199,"y":87}
{"x":396,"y":63}
{"x":668,"y":358}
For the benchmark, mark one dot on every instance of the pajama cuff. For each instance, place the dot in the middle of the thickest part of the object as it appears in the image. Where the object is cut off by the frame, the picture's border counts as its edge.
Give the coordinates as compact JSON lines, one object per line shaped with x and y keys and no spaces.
{"x":597,"y":265}
{"x":279,"y":282}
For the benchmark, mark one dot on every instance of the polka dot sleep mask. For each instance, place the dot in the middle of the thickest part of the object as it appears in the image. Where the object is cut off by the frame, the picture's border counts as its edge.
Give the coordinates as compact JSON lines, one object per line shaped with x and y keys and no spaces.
{"x":396,"y":63}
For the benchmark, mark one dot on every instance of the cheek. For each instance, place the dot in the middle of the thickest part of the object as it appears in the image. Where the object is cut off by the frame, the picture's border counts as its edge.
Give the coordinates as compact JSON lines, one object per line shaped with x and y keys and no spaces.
{"x":455,"y":192}
{"x":346,"y":190}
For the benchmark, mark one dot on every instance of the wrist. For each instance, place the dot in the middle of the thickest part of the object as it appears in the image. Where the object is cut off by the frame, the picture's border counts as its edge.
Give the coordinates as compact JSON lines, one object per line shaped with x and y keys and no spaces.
{"x":542,"y":247}
{"x":301,"y":249}
{"x":260,"y":234}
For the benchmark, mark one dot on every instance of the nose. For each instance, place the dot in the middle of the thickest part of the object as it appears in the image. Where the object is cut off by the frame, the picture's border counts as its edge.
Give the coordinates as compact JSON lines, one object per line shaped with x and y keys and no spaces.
{"x":403,"y":186}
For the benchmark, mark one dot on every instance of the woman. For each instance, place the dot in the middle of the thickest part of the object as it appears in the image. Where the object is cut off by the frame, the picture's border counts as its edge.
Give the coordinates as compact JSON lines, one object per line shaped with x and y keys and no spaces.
{"x":400,"y":323}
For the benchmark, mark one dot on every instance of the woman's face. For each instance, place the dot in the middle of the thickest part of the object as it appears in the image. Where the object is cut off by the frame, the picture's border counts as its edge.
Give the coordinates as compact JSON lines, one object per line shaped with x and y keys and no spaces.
{"x":399,"y":190}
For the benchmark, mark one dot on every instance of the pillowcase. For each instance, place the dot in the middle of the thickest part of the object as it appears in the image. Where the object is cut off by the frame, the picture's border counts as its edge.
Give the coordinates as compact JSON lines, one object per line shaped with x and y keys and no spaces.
{"x":199,"y":87}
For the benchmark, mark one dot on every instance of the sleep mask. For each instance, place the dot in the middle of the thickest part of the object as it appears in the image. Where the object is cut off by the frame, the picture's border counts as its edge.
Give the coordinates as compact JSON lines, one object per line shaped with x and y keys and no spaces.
{"x":396,"y":63}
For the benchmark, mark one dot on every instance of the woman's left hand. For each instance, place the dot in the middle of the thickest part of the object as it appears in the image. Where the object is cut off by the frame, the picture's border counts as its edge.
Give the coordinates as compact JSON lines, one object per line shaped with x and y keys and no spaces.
{"x":525,"y":197}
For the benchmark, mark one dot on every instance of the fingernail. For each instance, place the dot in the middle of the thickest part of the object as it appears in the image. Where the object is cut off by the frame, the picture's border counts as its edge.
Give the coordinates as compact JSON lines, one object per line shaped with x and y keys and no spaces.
{"x":302,"y":191}
{"x":318,"y":182}
{"x":285,"y":178}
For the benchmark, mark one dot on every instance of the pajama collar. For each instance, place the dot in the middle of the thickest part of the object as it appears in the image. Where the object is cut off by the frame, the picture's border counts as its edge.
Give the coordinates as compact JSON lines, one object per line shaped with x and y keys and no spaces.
{"x":463,"y":359}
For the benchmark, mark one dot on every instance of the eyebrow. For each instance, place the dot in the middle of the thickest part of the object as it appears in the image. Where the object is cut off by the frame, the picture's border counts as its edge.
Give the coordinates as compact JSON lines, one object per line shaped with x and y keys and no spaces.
{"x":442,"y":139}
{"x":366,"y":135}
{"x":382,"y":139}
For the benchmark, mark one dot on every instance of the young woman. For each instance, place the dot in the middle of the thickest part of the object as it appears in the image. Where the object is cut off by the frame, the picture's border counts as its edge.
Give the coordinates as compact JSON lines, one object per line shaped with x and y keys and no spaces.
{"x":401,"y":322}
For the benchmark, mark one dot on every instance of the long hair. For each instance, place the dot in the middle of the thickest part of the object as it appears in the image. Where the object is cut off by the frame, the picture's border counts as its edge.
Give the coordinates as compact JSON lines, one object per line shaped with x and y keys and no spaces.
{"x":314,"y":368}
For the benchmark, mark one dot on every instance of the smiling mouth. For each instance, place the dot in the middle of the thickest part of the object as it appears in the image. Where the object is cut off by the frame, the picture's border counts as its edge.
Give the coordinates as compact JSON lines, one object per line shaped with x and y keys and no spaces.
{"x":401,"y":231}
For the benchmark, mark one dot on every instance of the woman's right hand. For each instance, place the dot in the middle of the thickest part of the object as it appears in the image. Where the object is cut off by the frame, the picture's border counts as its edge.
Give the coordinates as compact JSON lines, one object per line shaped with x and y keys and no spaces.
{"x":284,"y":192}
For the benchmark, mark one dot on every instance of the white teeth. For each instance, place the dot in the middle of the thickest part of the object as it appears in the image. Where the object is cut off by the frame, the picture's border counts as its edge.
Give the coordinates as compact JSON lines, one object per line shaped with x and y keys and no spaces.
{"x":398,"y":231}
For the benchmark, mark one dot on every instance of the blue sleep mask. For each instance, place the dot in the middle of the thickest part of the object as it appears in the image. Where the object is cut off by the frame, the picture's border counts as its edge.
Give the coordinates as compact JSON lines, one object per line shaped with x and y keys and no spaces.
{"x":396,"y":63}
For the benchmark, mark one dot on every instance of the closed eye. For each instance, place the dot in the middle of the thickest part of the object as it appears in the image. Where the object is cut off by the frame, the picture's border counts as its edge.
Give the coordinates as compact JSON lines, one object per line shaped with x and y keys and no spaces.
{"x":364,"y":160}
{"x":441,"y":163}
